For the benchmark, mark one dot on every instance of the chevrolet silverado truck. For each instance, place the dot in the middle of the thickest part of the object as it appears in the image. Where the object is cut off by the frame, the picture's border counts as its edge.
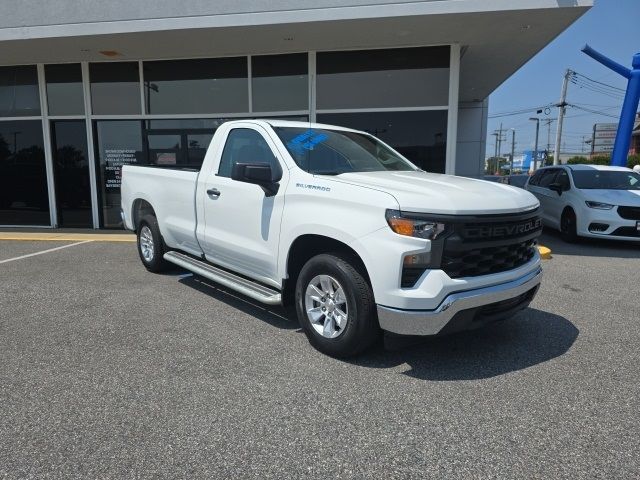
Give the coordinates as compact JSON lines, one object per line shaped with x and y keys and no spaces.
{"x":337,"y":223}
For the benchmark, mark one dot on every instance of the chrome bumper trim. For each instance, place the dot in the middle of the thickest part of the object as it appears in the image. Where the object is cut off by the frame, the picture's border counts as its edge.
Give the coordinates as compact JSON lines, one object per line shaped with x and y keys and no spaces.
{"x":430,"y":322}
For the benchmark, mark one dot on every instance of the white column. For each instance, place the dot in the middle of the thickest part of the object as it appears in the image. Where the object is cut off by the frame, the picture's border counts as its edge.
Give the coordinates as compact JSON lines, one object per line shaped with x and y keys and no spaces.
{"x":90,"y":146}
{"x":48,"y":154}
{"x":452,"y":120}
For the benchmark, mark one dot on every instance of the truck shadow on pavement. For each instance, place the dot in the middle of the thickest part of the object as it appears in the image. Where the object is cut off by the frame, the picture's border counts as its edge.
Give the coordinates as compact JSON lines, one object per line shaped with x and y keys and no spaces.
{"x":590,"y":247}
{"x":277,"y":316}
{"x":530,"y":338}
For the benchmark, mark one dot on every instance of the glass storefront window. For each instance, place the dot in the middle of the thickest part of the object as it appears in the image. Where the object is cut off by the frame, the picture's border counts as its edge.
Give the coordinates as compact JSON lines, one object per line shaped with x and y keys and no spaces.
{"x":24,"y":198}
{"x":64,"y":89}
{"x":419,"y":136}
{"x":171,"y":143}
{"x":71,"y":173}
{"x":181,"y":143}
{"x":19,"y":96}
{"x":118,"y":143}
{"x":391,"y":78}
{"x":115,"y":88}
{"x":280,"y":82}
{"x":196,"y":86}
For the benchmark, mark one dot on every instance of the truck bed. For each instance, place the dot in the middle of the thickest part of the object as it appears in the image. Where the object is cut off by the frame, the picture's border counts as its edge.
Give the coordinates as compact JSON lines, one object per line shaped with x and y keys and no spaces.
{"x":172,"y":194}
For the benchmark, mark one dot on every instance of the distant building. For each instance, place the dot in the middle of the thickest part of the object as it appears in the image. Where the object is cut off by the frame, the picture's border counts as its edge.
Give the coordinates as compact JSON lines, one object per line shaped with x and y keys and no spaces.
{"x":635,"y":137}
{"x":604,"y":137}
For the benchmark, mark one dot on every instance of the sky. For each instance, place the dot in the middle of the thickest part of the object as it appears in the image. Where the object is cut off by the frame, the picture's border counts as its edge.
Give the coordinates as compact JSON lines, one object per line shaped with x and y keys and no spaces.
{"x":613,"y":28}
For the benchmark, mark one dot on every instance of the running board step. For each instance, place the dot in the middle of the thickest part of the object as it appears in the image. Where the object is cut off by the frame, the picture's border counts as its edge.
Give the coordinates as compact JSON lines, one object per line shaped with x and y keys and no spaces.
{"x":242,"y":285}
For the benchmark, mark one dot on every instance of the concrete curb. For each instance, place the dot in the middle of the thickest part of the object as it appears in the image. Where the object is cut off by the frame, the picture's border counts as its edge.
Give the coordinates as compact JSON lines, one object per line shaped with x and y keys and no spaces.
{"x":545,"y":253}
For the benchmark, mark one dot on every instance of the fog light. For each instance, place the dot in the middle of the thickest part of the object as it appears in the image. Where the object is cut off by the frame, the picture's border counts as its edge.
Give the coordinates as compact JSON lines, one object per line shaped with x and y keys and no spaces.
{"x":413,"y":266}
{"x":598,"y":227}
{"x":417,"y":260}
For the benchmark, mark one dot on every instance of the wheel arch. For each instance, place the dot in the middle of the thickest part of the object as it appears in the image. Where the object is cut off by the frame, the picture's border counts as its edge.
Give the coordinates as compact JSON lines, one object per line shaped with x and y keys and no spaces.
{"x":307,"y":246}
{"x":139,"y":209}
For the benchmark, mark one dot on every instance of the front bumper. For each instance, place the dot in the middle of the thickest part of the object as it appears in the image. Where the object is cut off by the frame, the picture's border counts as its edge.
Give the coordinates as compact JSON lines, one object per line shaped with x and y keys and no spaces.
{"x":617,"y":228}
{"x":464,"y":310}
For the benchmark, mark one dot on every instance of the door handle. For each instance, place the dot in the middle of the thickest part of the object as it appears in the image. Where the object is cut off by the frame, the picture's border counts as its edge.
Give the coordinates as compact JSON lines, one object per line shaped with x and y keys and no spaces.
{"x":213,"y":192}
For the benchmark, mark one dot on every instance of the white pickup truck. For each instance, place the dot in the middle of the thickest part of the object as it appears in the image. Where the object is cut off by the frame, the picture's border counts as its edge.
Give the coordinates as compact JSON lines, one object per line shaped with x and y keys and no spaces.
{"x":338,"y":223}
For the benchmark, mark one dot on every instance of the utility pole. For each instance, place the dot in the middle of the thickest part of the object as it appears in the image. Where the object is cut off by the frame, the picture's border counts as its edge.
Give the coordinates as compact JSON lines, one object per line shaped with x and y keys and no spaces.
{"x":513,"y":148}
{"x":500,"y":141}
{"x":548,"y":125}
{"x":562,"y":107}
{"x":535,"y":151}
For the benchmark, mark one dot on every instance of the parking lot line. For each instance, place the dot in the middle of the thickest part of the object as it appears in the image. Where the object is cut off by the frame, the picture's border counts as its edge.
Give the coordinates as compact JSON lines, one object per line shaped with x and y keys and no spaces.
{"x":70,"y":237}
{"x":44,"y":251}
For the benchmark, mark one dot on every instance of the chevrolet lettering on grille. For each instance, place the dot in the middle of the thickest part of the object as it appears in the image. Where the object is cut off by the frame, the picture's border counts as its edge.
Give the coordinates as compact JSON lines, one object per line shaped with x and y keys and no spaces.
{"x":502,"y":231}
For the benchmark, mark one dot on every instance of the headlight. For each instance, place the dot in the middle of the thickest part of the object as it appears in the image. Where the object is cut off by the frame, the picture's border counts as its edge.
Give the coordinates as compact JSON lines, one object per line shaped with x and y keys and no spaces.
{"x":409,"y":226}
{"x":599,"y":205}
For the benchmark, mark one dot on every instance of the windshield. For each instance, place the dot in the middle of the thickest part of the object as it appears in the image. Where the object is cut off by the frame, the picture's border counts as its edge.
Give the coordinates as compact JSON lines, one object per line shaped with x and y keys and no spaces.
{"x":332,"y":152}
{"x":606,"y":179}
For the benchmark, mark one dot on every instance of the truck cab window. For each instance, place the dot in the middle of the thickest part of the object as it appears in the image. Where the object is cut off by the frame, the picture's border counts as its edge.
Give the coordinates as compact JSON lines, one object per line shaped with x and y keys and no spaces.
{"x":245,"y":146}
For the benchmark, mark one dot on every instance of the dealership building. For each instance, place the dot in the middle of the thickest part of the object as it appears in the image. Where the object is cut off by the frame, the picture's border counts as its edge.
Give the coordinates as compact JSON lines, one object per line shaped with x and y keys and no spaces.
{"x":87,"y":86}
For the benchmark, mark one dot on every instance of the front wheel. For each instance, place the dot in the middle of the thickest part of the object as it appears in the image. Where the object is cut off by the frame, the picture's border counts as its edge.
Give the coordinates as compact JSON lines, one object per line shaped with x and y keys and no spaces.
{"x":568,"y":226}
{"x":150,"y":244}
{"x":335,"y":306}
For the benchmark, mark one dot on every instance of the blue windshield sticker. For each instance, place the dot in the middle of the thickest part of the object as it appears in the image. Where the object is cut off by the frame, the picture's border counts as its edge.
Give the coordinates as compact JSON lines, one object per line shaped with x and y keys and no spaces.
{"x":306,"y":141}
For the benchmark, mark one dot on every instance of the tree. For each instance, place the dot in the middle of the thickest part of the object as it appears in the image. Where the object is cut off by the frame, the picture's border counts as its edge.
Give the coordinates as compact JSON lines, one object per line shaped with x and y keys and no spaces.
{"x":577,"y":160}
{"x":633,"y":160}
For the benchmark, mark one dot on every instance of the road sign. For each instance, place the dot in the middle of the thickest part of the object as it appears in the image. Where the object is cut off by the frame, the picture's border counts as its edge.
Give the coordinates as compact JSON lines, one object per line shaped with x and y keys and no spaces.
{"x":605,"y":126}
{"x":604,"y":134}
{"x":602,"y":148}
{"x":604,"y":141}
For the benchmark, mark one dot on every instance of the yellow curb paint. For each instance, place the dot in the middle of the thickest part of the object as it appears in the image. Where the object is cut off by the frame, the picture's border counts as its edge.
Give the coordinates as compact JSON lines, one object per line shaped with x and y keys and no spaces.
{"x":545,"y":253}
{"x":67,"y":237}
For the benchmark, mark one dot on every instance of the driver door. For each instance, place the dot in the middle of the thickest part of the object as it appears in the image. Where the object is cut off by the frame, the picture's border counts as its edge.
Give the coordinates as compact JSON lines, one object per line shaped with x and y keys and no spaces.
{"x":242,"y":223}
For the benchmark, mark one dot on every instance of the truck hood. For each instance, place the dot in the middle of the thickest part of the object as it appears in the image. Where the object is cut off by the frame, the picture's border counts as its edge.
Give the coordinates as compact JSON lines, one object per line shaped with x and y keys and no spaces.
{"x":425,"y":192}
{"x":630,"y":198}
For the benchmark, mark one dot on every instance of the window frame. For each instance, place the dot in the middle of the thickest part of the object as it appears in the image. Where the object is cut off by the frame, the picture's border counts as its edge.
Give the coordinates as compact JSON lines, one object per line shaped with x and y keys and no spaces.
{"x":262,"y":135}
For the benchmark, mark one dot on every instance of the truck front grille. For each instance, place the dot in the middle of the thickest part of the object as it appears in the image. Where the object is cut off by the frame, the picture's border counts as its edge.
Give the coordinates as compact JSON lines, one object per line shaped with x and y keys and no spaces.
{"x":486,"y":244}
{"x":487,"y":260}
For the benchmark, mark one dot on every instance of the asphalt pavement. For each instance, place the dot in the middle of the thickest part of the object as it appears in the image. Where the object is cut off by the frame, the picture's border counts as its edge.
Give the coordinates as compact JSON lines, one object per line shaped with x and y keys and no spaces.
{"x":108,"y":371}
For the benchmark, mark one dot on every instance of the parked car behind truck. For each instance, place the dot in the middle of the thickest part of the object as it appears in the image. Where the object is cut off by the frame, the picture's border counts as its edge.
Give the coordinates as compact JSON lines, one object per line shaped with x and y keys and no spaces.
{"x":589,"y":201}
{"x":338,"y":223}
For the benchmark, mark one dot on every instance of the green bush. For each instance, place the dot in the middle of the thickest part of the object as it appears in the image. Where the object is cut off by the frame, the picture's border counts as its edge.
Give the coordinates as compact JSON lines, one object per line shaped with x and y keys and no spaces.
{"x":633,"y":160}
{"x":600,"y":160}
{"x":577,"y":160}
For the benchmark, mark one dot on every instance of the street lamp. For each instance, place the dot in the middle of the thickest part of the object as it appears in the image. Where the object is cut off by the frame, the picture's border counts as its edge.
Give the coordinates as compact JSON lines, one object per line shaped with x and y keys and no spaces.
{"x":535,"y":151}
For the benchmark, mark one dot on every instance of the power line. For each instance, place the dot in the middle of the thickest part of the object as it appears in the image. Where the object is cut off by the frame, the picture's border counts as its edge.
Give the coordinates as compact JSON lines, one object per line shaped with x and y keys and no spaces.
{"x":595,"y":112}
{"x":600,"y":83}
{"x":520,"y":111}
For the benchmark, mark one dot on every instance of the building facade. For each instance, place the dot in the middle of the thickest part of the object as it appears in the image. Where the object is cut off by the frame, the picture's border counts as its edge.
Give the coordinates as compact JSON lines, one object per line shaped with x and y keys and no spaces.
{"x":88,"y":86}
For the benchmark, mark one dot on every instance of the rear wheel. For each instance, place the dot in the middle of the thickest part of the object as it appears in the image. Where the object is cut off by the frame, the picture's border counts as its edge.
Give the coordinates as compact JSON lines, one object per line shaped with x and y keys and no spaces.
{"x":150,"y":244}
{"x":568,"y":226}
{"x":335,"y":306}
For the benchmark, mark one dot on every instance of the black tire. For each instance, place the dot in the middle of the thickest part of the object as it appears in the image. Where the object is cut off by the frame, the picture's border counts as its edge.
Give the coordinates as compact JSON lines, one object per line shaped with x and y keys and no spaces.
{"x":361,"y":329}
{"x":568,"y":226}
{"x":155,"y":262}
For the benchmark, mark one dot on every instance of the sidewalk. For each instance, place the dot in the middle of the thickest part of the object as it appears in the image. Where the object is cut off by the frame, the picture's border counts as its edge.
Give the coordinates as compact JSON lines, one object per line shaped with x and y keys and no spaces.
{"x":66,"y":234}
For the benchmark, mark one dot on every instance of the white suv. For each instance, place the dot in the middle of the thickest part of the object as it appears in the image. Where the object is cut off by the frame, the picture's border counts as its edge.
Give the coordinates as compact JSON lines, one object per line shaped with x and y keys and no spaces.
{"x":589,"y":201}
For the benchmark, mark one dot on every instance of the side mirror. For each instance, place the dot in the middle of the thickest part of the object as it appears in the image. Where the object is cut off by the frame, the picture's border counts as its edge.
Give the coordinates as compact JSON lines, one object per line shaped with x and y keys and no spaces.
{"x":259,"y":174}
{"x":556,"y":187}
